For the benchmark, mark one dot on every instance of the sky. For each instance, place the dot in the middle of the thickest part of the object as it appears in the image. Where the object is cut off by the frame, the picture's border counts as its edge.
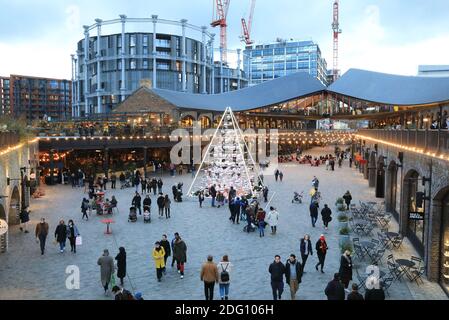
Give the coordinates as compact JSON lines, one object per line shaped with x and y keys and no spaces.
{"x":392,"y":36}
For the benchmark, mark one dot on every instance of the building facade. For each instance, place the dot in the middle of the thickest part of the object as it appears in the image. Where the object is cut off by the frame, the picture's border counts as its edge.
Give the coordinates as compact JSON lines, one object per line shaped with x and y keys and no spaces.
{"x":265,"y":62}
{"x":433,"y":70}
{"x":105,"y":72}
{"x":36,"y":98}
{"x":228,"y":79}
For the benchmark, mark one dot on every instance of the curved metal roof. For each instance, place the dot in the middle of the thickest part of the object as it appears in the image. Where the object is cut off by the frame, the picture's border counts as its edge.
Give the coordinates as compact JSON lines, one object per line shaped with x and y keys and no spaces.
{"x":391,"y":89}
{"x":267,"y":93}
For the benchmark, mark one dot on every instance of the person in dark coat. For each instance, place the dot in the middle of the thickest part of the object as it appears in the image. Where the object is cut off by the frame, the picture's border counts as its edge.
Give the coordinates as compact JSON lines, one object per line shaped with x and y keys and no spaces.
{"x":321,"y":251}
{"x":24,"y":218}
{"x":154,"y":185}
{"x":166,"y":245}
{"x":144,"y":186}
{"x":306,"y":249}
{"x":376,"y":293}
{"x":159,"y":185}
{"x":147,"y":203}
{"x":293,"y":274}
{"x":121,"y":264}
{"x":326,"y":216}
{"x":355,"y":295}
{"x":161,"y":204}
{"x":314,"y":212}
{"x":179,"y":254}
{"x":201,"y":198}
{"x":137,"y":202}
{"x":277,"y":271}
{"x":213,"y":194}
{"x":265,"y":194}
{"x":347,"y":197}
{"x":61,"y":235}
{"x":345,"y":271}
{"x":334,"y":289}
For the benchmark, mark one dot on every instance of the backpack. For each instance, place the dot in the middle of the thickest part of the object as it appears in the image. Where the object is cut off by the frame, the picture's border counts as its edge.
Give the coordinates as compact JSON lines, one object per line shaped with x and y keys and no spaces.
{"x":224,"y":275}
{"x":126,"y":295}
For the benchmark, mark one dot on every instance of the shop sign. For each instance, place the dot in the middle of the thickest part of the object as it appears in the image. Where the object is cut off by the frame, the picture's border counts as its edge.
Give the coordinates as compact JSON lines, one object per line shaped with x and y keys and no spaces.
{"x":3,"y":227}
{"x":417,"y":216}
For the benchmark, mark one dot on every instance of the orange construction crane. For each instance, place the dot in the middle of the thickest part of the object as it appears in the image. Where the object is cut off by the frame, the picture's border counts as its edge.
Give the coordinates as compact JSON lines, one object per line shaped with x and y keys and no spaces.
{"x":336,"y":30}
{"x":219,"y":19}
{"x":246,"y":28}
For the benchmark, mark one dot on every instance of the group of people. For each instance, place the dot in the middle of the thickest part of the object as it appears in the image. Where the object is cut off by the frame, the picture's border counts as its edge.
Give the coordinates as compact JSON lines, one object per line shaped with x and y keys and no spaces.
{"x":62,"y":233}
{"x":163,"y":203}
{"x":315,"y":197}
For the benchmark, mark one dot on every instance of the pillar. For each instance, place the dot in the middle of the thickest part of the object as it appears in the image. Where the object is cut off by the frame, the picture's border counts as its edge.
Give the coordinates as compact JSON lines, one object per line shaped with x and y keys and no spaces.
{"x":52,"y":166}
{"x":204,"y":60}
{"x":145,"y":160}
{"x":371,"y":175}
{"x":403,"y":215}
{"x":239,"y":61}
{"x":184,"y":55}
{"x":433,"y":245}
{"x":106,"y":162}
{"x":97,"y":56}
{"x":212,"y":76}
{"x":122,"y":54}
{"x":86,"y":70}
{"x":154,"y":17}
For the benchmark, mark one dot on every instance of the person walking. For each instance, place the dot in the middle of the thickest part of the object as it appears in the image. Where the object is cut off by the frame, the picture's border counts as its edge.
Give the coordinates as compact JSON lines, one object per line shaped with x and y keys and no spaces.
{"x":159,"y":185}
{"x":293,"y":275}
{"x":167,"y":203}
{"x":315,"y":182}
{"x":209,"y":275}
{"x":106,"y":264}
{"x":137,"y":202}
{"x":105,"y":182}
{"x":121,"y":264}
{"x":180,"y":254}
{"x":159,"y":261}
{"x":345,"y":270}
{"x":260,"y":218}
{"x":313,"y":208}
{"x":213,"y":194}
{"x":137,"y":182}
{"x":321,"y":251}
{"x":224,"y":269}
{"x":277,"y":271}
{"x":113,"y":180}
{"x":326,"y":216}
{"x":41,"y":233}
{"x":276,"y":175}
{"x":281,"y":176}
{"x":144,"y":185}
{"x":61,"y":235}
{"x":348,"y":198}
{"x":305,"y":249}
{"x":201,"y":198}
{"x":154,"y":185}
{"x":24,"y":218}
{"x":161,"y":205}
{"x":84,"y":208}
{"x":355,"y":295}
{"x":72,"y":234}
{"x":334,"y":289}
{"x":265,"y":193}
{"x":147,"y":203}
{"x":350,"y":162}
{"x":273,"y":219}
{"x":166,"y":245}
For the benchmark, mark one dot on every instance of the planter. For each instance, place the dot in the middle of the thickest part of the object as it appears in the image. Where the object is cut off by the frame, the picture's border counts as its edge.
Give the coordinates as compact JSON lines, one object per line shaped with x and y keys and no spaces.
{"x":344,"y":240}
{"x":341,"y":207}
{"x":343,"y":224}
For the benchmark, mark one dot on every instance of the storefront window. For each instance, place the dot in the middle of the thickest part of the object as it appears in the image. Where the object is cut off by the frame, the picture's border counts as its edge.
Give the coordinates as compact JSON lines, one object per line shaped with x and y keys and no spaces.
{"x":445,"y":244}
{"x":416,"y":211}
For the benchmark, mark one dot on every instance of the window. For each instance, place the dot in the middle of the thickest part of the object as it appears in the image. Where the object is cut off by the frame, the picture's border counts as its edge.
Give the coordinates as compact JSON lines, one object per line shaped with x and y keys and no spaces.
{"x":279,"y":51}
{"x":119,"y":64}
{"x":163,"y":65}
{"x":132,"y":64}
{"x":132,"y":51}
{"x":132,"y":40}
{"x":145,"y":64}
{"x":145,"y":51}
{"x":268,"y":52}
{"x":145,"y":40}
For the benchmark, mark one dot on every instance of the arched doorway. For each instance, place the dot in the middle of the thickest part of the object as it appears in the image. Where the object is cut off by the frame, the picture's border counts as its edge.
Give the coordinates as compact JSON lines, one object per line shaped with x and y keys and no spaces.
{"x":414,"y":209}
{"x":187,"y":121}
{"x":14,"y":206}
{"x":4,"y":237}
{"x":439,"y":271}
{"x":380,"y":178}
{"x":372,"y":170}
{"x":392,"y":200}
{"x":205,"y":122}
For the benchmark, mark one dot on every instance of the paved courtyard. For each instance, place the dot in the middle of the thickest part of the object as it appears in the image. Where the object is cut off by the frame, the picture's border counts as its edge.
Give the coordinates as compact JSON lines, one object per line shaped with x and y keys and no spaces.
{"x":25,"y":274}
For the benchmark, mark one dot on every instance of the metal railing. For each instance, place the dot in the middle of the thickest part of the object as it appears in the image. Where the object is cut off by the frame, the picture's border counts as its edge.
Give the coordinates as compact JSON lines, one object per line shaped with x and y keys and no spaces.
{"x":433,"y":141}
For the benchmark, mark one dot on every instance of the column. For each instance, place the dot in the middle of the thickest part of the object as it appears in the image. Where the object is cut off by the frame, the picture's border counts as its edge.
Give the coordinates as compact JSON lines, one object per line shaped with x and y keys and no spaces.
{"x":73,"y":86}
{"x":145,"y":160}
{"x":97,"y":56}
{"x":184,"y":55}
{"x":52,"y":166}
{"x":86,"y":70}
{"x":212,"y":75}
{"x":78,"y":90}
{"x":122,"y":54}
{"x":154,"y":17}
{"x":106,"y":162}
{"x":221,"y":69}
{"x":239,"y":61}
{"x":204,"y":60}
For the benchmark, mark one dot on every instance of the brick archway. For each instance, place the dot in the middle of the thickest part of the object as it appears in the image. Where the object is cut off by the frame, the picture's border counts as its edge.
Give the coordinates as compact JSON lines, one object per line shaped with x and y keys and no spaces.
{"x":391,"y":186}
{"x":372,"y":169}
{"x":4,"y":237}
{"x":14,"y":206}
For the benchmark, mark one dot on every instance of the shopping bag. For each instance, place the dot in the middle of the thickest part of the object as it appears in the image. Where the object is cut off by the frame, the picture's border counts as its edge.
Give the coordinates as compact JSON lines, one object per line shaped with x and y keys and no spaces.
{"x":79,"y":241}
{"x":112,"y":280}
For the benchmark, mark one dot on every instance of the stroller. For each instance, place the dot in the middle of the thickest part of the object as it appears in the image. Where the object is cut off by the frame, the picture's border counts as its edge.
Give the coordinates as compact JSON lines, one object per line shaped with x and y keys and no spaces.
{"x":297,"y":197}
{"x":132,"y":214}
{"x":146,"y":215}
{"x":177,"y":192}
{"x":126,"y":184}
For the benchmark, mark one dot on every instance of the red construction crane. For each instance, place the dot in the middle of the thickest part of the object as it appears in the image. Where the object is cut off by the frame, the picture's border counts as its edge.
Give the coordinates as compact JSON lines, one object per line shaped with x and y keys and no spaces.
{"x":219,"y":19}
{"x":246,"y":28}
{"x":336,"y":29}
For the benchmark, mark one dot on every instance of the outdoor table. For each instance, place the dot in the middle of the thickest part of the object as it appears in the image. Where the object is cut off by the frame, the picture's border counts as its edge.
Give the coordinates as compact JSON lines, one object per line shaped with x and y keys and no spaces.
{"x":381,"y":273}
{"x":392,"y":235}
{"x":405,"y":264}
{"x":108,"y":223}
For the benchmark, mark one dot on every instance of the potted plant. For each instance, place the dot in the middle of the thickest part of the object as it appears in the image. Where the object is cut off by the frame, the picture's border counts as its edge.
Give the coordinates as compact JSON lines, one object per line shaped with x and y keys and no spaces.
{"x":347,"y":246}
{"x":344,"y":236}
{"x":340,"y":204}
{"x":343,"y":220}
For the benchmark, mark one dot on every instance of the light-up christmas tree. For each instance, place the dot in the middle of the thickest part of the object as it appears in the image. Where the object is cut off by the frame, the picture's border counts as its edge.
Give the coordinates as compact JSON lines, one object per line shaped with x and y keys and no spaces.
{"x":227,"y":162}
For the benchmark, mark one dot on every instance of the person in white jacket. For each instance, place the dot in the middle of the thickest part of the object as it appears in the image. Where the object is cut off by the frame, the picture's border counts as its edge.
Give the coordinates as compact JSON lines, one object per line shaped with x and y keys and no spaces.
{"x":224,"y":269}
{"x":272,"y":219}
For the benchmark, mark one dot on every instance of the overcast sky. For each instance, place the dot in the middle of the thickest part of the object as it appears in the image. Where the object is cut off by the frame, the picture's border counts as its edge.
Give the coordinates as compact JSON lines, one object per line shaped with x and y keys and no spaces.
{"x":393,"y":36}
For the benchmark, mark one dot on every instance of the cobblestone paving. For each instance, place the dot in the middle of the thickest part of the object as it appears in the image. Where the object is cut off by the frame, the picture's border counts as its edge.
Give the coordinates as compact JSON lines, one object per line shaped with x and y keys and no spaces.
{"x":25,"y":274}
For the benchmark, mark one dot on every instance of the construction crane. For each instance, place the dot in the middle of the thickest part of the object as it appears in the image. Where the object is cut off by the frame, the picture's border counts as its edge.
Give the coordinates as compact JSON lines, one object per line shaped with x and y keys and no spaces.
{"x":246,"y":28}
{"x":219,"y":20}
{"x":336,"y":30}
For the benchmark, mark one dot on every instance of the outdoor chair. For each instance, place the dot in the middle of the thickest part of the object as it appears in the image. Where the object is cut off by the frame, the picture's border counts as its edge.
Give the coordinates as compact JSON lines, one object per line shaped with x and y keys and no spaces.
{"x":386,"y":284}
{"x":383,"y":240}
{"x":376,"y":258}
{"x":416,"y":272}
{"x":361,"y":280}
{"x":359,"y":252}
{"x":397,"y":241}
{"x":355,"y":240}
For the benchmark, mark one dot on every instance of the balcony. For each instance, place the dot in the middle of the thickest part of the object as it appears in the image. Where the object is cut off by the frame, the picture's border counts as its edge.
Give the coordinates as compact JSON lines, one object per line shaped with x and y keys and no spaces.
{"x":429,"y":141}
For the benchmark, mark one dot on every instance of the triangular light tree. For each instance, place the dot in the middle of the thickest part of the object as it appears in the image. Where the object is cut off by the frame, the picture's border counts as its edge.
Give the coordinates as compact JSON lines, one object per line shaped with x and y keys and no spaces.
{"x":227,"y":162}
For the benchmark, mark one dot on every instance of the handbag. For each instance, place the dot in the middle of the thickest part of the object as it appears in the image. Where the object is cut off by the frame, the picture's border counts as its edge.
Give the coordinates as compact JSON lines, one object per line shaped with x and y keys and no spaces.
{"x":79,"y":241}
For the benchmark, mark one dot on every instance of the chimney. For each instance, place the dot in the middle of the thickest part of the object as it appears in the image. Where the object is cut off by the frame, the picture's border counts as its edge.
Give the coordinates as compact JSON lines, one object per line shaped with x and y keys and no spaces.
{"x":147,"y":83}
